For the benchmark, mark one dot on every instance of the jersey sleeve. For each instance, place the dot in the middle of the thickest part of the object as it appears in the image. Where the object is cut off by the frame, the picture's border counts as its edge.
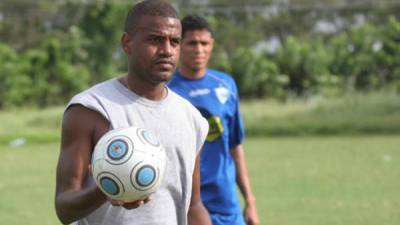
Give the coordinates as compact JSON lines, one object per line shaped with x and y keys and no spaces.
{"x":89,"y":101}
{"x":201,"y":129}
{"x":235,"y":126}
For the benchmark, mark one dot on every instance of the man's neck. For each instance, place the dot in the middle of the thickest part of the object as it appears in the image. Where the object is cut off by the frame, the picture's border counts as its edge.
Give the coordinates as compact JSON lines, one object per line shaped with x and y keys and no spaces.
{"x":155,"y":92}
{"x":192,"y":74}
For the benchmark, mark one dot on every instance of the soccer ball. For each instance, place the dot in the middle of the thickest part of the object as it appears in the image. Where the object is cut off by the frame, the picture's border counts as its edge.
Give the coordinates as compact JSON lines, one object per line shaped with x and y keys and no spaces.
{"x":128,"y":164}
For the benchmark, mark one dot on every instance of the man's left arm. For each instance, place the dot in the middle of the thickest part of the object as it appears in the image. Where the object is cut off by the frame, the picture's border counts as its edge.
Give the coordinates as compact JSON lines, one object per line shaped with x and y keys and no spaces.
{"x":243,"y":181}
{"x":197,"y":214}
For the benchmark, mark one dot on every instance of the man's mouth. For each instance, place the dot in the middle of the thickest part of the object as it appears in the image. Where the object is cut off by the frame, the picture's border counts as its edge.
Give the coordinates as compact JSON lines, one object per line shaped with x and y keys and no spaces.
{"x":165,"y":65}
{"x":165,"y":62}
{"x":198,"y":59}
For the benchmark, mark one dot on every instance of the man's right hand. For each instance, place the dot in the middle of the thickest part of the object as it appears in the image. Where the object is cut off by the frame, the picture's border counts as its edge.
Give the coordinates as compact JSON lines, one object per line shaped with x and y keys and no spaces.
{"x":130,"y":205}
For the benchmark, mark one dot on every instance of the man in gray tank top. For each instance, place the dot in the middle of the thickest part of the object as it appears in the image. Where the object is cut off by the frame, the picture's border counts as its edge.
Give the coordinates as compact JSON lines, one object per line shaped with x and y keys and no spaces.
{"x":152,"y":42}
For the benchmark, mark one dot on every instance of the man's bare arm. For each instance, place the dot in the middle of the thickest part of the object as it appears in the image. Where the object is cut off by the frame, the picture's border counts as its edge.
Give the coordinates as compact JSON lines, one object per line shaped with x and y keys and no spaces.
{"x":198,"y":214}
{"x":76,"y":195}
{"x":243,"y":181}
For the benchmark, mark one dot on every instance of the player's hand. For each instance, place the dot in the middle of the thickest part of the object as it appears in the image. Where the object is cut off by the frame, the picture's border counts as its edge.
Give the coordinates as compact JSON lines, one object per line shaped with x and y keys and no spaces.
{"x":90,"y":170}
{"x":250,"y":214}
{"x":130,"y":205}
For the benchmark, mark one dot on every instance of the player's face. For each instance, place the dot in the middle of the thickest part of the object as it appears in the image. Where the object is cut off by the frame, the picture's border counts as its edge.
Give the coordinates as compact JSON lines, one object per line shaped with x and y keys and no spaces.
{"x":153,"y":48}
{"x":196,"y":49}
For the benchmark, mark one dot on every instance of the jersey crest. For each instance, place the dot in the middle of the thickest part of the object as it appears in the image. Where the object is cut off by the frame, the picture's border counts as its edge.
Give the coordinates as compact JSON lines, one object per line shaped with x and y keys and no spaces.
{"x":222,"y":94}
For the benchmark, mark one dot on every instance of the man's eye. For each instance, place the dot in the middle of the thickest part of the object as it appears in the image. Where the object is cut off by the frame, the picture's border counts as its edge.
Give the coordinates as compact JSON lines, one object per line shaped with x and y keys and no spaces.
{"x":176,"y":41}
{"x":156,"y":39}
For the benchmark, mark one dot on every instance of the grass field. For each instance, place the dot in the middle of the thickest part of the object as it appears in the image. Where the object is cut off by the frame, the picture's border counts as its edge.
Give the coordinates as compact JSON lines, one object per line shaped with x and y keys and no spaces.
{"x":27,"y":184}
{"x":297,"y":181}
{"x":317,"y":162}
{"x":326,"y":180}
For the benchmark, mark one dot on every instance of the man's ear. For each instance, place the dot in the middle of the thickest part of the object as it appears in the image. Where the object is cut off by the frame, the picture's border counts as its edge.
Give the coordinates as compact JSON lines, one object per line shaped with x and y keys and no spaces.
{"x":125,"y":43}
{"x":212,"y":44}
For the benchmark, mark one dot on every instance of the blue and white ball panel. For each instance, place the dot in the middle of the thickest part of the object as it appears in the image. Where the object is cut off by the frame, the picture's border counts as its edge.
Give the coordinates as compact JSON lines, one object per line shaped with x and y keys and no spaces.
{"x":145,"y":176}
{"x":110,"y":184}
{"x":119,"y":150}
{"x":148,"y":138}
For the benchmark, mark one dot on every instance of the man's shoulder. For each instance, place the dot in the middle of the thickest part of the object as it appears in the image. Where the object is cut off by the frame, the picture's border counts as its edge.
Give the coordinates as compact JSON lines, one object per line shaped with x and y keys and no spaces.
{"x":218,"y":72}
{"x":179,"y":99}
{"x":185,"y":105}
{"x":183,"y":102}
{"x":224,"y":78}
{"x":90,"y":97}
{"x":101,"y":88}
{"x":220,"y":75}
{"x":175,"y":80}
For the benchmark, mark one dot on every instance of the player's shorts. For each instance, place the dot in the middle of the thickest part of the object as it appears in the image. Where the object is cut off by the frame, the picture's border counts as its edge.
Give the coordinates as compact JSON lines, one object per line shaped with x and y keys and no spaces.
{"x":227,"y":219}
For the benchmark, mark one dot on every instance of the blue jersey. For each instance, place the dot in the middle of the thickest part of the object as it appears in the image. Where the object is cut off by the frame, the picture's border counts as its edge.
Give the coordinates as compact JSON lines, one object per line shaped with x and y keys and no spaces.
{"x":215,"y":95}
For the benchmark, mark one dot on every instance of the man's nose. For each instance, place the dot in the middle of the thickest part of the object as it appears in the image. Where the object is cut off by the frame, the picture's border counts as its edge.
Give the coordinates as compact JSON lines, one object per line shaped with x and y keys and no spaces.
{"x":198,"y":48}
{"x":167,"y":49}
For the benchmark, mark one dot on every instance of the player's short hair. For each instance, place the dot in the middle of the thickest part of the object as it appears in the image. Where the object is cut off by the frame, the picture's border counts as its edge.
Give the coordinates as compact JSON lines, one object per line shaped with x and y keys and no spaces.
{"x":195,"y":22}
{"x":148,"y":8}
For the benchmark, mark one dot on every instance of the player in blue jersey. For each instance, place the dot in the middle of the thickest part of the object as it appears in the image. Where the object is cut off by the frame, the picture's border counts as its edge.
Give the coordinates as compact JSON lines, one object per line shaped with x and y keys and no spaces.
{"x":215,"y":94}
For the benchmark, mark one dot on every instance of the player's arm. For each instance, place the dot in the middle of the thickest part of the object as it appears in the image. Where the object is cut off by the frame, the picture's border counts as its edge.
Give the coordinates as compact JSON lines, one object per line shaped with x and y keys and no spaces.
{"x":243,"y":181}
{"x":75,"y":199}
{"x":198,"y":214}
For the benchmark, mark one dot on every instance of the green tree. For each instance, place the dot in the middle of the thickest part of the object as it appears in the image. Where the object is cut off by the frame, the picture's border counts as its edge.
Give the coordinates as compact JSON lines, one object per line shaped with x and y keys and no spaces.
{"x":354,"y":57}
{"x":388,"y":52}
{"x":102,"y":26}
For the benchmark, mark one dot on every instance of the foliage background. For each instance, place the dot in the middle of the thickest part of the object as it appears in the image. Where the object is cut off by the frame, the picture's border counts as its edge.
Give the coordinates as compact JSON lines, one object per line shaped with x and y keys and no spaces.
{"x":50,"y":50}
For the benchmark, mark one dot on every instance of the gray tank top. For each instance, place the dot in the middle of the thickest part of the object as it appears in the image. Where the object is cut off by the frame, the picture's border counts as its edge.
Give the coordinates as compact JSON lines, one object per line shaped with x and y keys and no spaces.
{"x":179,"y":127}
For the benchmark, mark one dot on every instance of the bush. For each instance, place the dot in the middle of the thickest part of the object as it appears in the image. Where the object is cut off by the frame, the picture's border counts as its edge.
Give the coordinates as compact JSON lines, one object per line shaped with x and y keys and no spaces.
{"x":257,"y":76}
{"x":306,"y":63}
{"x":14,"y":82}
{"x":54,"y":78}
{"x":41,"y":76}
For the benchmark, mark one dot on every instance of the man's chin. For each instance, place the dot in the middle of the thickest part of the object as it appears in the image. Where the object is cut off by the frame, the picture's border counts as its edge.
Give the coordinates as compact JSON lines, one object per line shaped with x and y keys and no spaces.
{"x":198,"y":67}
{"x":163,"y":76}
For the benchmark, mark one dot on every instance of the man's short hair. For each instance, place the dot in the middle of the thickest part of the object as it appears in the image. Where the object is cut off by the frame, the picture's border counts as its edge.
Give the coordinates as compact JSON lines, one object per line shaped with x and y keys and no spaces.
{"x":148,"y":8}
{"x":194,"y":22}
